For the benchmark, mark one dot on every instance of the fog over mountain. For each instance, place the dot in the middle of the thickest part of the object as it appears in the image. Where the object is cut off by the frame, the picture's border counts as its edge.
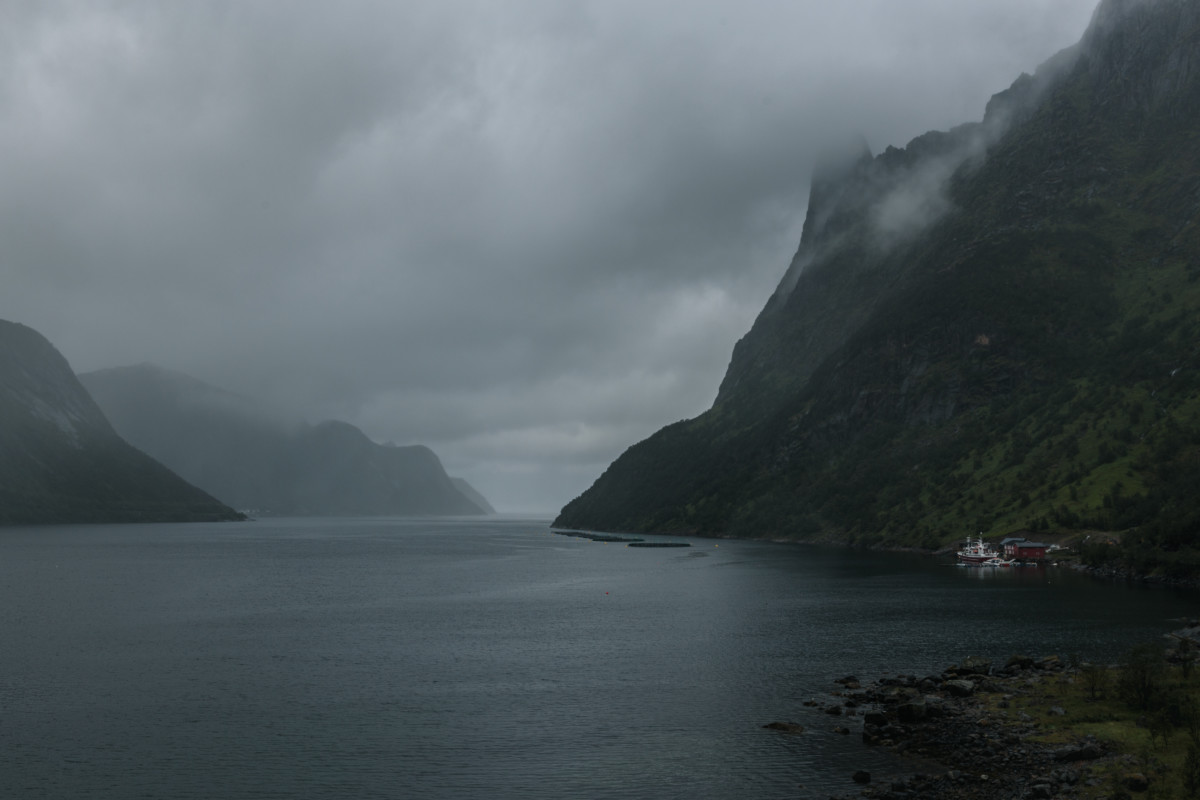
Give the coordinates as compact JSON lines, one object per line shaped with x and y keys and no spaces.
{"x":254,"y":459}
{"x":524,"y":234}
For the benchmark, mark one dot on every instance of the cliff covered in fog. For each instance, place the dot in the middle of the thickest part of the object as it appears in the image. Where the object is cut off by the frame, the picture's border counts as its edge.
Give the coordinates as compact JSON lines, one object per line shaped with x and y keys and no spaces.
{"x":992,"y":329}
{"x":255,"y":460}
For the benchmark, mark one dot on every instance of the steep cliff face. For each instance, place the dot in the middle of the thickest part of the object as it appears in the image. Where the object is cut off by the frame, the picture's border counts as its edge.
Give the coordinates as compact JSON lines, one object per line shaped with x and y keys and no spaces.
{"x":255,"y":459}
{"x":61,"y":461}
{"x":991,"y":329}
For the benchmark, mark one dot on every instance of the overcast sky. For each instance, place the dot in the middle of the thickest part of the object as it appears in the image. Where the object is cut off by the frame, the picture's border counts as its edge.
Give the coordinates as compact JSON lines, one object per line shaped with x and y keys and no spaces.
{"x":526,"y":234}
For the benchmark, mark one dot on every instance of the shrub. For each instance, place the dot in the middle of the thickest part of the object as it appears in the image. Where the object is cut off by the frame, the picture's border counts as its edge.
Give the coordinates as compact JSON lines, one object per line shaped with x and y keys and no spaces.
{"x":1142,"y":682}
{"x":1095,"y":680}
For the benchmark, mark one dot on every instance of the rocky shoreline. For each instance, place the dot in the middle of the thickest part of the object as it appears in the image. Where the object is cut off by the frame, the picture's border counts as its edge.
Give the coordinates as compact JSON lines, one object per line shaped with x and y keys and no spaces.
{"x":971,"y":731}
{"x":1113,"y":572}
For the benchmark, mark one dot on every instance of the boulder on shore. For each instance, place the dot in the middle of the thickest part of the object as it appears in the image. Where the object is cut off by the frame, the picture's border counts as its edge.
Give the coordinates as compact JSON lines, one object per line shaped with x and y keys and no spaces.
{"x":912,"y":711}
{"x":1088,"y":751}
{"x":975,"y":665}
{"x":1018,"y":662}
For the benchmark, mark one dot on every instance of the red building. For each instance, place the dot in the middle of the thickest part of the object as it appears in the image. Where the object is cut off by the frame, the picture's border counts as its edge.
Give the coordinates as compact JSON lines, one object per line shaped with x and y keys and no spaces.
{"x":1030,"y":551}
{"x":1024,"y":550}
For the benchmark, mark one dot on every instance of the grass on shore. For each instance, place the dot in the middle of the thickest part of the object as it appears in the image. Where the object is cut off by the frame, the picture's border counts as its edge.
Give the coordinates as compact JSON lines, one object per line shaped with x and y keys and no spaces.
{"x":1145,"y":712}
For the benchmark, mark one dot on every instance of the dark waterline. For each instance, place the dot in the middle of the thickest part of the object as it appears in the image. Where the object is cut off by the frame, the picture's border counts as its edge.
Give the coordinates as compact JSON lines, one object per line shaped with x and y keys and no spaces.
{"x":435,"y":658}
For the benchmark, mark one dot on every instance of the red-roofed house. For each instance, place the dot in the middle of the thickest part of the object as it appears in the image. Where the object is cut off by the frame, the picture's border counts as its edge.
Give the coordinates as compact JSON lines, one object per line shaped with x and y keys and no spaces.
{"x":1031,"y":551}
{"x":1023,"y":549}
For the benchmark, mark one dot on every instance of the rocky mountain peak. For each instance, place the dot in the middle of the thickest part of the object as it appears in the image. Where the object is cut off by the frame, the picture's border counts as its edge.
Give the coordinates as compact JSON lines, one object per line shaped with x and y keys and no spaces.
{"x":1141,"y":54}
{"x":35,"y":377}
{"x":833,"y":174}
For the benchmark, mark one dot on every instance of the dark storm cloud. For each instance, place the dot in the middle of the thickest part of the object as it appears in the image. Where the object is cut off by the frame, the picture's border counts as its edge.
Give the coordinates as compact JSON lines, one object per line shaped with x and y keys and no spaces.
{"x":524,"y":233}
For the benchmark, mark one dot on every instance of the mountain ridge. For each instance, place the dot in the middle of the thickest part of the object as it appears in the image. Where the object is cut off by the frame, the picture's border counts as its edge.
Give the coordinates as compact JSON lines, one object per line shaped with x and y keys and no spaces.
{"x":258,"y":459}
{"x":995,"y":367}
{"x":60,"y":459}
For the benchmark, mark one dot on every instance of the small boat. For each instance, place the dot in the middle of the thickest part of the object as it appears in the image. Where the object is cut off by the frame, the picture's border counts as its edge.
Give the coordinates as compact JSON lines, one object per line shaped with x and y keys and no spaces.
{"x":977,"y":551}
{"x":998,"y":562}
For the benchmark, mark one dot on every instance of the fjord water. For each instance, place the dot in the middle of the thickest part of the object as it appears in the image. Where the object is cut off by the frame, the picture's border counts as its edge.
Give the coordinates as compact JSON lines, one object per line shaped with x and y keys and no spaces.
{"x":390,"y":658}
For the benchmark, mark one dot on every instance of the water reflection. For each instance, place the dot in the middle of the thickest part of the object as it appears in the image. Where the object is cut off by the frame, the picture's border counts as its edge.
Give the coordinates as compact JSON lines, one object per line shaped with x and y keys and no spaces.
{"x":1031,"y":573}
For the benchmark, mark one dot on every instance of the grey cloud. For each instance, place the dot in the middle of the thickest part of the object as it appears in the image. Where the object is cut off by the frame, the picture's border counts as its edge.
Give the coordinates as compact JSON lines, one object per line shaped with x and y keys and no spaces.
{"x":524,"y":233}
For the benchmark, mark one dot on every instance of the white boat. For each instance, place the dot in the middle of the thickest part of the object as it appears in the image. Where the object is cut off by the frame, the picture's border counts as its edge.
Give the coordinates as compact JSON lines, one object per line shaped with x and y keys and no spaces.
{"x":977,"y":551}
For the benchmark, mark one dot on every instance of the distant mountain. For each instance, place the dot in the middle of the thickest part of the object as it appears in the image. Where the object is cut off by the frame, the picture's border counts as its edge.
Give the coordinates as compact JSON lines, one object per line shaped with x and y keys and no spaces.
{"x":61,"y":461}
{"x":471,"y":494}
{"x":253,"y":459}
{"x":993,"y":329}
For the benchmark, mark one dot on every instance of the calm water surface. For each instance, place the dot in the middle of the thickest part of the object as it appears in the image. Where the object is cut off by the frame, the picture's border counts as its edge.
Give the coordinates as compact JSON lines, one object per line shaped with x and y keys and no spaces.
{"x":433,"y":658}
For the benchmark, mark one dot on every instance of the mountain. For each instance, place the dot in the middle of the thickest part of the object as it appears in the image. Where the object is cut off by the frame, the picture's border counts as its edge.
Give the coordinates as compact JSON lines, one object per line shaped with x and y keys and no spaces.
{"x":473,"y":495}
{"x":61,"y":461}
{"x":992,"y":329}
{"x":253,"y":458}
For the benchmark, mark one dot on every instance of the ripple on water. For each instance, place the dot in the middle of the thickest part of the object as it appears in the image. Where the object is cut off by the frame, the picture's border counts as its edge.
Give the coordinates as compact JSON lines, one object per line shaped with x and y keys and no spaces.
{"x":389,"y":658}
